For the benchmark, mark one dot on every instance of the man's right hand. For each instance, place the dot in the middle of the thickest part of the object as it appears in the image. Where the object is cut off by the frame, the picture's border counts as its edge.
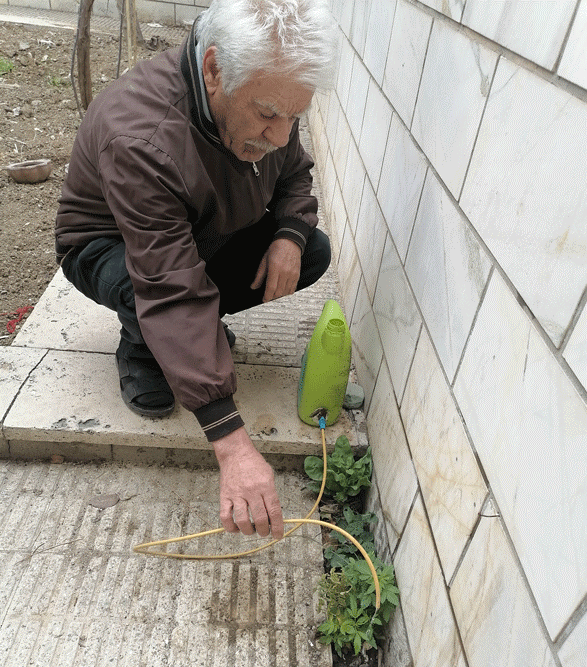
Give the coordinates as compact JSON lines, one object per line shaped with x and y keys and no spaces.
{"x":247,"y":486}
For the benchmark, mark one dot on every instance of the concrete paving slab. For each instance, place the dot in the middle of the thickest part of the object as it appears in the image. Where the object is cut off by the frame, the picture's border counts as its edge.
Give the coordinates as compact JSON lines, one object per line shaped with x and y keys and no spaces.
{"x":64,"y":319}
{"x":72,"y":592}
{"x":15,"y":366}
{"x":73,"y":397}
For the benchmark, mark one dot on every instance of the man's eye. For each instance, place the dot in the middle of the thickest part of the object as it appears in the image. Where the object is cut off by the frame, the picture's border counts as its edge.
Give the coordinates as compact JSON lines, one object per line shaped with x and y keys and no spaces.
{"x":271,"y":117}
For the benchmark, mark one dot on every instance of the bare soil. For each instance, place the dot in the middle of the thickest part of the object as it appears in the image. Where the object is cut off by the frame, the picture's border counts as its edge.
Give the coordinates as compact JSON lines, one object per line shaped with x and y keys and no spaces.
{"x":39,"y":118}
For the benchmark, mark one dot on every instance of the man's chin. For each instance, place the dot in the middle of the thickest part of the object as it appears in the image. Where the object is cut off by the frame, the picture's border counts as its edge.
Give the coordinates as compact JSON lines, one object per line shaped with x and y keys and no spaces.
{"x":251,"y":154}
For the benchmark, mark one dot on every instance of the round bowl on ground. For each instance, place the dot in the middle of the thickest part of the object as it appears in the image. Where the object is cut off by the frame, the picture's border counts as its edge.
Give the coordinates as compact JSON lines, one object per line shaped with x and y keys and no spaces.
{"x":30,"y":171}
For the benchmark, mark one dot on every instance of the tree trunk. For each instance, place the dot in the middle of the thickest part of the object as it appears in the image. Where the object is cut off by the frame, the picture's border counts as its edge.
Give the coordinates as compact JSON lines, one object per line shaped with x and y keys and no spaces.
{"x":83,"y":53}
{"x":138,"y":32}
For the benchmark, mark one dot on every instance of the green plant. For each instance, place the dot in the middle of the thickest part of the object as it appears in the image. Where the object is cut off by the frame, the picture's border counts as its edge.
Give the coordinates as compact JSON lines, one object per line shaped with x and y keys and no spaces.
{"x":6,"y":66}
{"x":345,"y":477}
{"x":359,"y":526}
{"x":58,"y":81}
{"x":349,"y":598}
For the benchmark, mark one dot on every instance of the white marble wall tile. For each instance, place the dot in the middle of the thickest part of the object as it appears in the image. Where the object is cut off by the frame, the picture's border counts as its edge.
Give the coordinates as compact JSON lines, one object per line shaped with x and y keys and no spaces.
{"x":370,"y":237}
{"x":495,"y":615}
{"x":330,"y":114}
{"x":400,"y":186}
{"x":528,"y":426}
{"x":455,"y":85}
{"x":451,"y":483}
{"x":396,"y":477}
{"x":359,"y":25}
{"x":328,"y":182}
{"x":430,"y":625}
{"x":405,"y":60}
{"x":448,"y":270}
{"x":533,"y":28}
{"x":355,"y":108}
{"x":374,"y":133}
{"x":379,"y":33}
{"x":525,"y":192}
{"x":319,"y":141}
{"x":345,"y":69}
{"x":338,"y":222}
{"x":342,"y":11}
{"x":574,"y":651}
{"x":574,"y":61}
{"x":367,"y":350}
{"x":341,"y":145}
{"x":354,"y":177}
{"x":349,"y":272}
{"x":452,"y":8}
{"x":397,"y":317}
{"x":576,"y":350}
{"x":396,"y":650}
{"x":385,"y":537}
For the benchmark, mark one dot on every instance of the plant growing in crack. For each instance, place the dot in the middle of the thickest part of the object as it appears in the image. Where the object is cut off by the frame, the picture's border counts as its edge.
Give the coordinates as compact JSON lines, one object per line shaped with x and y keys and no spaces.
{"x":347,"y":591}
{"x":345,"y":476}
{"x":348,"y":596}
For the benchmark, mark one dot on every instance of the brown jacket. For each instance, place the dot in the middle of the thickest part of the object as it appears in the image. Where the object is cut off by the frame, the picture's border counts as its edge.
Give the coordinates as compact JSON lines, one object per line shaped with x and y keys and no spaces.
{"x":148,"y":165}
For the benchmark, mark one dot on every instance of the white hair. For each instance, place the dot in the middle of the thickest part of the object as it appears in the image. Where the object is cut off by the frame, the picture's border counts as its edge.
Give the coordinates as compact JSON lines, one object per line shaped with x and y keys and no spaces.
{"x":296,"y":38}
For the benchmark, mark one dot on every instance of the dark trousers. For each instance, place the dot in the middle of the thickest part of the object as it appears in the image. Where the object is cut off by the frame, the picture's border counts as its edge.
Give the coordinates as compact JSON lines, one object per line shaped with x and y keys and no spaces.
{"x":98,"y":270}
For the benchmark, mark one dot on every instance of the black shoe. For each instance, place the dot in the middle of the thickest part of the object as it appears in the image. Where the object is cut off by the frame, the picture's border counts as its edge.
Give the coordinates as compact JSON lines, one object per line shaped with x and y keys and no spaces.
{"x":143,"y":386}
{"x":230,"y":337}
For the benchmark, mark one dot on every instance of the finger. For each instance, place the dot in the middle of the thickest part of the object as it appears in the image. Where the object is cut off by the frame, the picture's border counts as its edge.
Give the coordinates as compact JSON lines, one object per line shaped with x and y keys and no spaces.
{"x":226,"y":517}
{"x":271,"y":286}
{"x":261,"y":520}
{"x":275,"y":517}
{"x":261,"y":273}
{"x":292,"y":285}
{"x":242,"y":519}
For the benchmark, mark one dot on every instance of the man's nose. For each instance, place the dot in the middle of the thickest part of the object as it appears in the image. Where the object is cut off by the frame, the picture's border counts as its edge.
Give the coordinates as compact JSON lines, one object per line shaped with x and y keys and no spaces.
{"x":278,"y":131}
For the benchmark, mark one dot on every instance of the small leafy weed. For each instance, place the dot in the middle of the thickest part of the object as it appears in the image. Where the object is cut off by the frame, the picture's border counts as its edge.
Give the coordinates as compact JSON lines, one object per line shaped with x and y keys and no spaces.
{"x":6,"y":66}
{"x":58,"y":81}
{"x":349,"y":598}
{"x":345,"y":476}
{"x":359,"y":526}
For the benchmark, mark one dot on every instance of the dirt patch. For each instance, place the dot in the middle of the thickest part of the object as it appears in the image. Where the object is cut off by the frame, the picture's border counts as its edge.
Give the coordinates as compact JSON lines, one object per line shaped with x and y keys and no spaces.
{"x":39,"y":118}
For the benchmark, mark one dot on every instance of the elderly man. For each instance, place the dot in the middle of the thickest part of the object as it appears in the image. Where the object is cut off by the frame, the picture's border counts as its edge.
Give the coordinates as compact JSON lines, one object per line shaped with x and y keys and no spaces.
{"x":188,"y":197}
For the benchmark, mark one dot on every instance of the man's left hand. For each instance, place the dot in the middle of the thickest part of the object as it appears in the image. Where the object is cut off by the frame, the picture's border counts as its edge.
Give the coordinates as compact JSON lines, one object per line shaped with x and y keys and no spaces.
{"x":280,"y":268}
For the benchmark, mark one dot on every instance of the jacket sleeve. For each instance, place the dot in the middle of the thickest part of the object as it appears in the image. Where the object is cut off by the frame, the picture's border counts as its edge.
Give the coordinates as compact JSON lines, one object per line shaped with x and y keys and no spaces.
{"x":296,"y":209}
{"x":176,"y":303}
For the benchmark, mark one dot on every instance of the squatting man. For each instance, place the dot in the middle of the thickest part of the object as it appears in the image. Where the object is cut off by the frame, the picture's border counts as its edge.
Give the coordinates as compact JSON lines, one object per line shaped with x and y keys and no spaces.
{"x":188,"y":196}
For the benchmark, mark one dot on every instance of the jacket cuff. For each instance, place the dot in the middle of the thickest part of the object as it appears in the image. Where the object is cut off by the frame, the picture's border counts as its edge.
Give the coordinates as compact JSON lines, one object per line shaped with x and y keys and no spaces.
{"x":219,"y":418}
{"x":295,"y":230}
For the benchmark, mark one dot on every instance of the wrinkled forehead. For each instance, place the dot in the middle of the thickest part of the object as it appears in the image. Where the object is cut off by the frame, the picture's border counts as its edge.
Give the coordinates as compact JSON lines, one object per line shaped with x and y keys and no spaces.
{"x":280,"y":95}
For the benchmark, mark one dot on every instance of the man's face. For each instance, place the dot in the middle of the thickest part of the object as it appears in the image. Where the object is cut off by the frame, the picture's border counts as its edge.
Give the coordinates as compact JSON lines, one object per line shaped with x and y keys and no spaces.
{"x":257,"y":118}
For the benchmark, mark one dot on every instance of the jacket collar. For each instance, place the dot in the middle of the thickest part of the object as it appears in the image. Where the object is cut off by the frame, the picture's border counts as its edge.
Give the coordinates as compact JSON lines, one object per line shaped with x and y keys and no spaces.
{"x":192,"y":74}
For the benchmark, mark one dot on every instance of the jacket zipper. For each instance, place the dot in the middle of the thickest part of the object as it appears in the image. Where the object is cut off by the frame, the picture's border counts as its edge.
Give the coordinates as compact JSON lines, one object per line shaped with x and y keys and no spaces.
{"x":258,"y":174}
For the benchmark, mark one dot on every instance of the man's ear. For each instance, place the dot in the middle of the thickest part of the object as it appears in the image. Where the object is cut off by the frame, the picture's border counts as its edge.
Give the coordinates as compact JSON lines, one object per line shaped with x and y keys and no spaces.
{"x":210,"y":70}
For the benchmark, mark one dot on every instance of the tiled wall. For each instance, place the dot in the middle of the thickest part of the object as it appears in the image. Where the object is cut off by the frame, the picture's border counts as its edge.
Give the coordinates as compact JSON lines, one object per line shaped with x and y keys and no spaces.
{"x":453,"y":160}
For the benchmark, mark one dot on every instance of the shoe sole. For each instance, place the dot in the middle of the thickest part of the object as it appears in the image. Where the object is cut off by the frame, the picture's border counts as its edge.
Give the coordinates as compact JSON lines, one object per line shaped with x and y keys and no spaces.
{"x":148,"y":412}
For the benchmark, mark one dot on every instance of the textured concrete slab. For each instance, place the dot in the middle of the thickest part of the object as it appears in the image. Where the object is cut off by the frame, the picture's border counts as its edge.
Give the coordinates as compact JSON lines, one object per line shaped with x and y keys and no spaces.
{"x":72,"y":592}
{"x":64,"y":319}
{"x":73,"y":397}
{"x":15,"y":366}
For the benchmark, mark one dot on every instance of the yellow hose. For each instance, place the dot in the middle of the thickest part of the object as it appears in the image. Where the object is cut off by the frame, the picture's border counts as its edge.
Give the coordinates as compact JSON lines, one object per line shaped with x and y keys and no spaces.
{"x":145,"y":547}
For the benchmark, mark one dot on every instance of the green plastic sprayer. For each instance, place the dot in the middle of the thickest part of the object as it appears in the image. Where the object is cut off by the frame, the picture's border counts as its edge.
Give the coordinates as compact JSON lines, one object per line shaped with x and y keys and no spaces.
{"x":325,"y":367}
